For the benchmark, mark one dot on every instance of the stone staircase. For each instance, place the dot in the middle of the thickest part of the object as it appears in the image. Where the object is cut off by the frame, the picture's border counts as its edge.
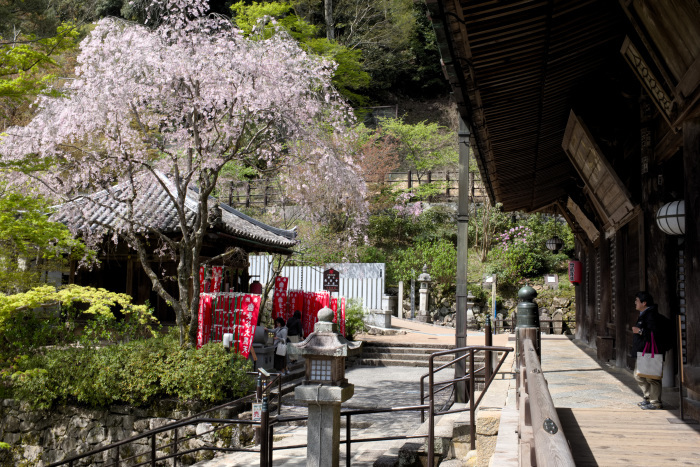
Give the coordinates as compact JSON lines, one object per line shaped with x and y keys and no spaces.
{"x":383,"y":354}
{"x":453,"y":432}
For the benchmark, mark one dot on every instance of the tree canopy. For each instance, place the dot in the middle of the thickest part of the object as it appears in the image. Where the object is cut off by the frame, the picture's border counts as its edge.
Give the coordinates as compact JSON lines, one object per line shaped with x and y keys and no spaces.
{"x":183,"y":99}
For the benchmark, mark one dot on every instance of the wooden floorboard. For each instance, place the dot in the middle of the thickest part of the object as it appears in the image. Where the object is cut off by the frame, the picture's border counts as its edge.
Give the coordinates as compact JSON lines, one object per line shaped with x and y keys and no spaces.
{"x":603,"y":437}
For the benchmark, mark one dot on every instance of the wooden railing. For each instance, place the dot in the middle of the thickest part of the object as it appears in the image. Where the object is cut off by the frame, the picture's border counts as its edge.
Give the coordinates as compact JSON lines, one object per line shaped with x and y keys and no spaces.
{"x":266,"y":192}
{"x":542,"y":440}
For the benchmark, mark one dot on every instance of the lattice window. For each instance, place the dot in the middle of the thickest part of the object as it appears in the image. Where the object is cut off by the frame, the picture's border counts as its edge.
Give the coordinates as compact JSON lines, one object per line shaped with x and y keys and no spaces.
{"x":321,"y":370}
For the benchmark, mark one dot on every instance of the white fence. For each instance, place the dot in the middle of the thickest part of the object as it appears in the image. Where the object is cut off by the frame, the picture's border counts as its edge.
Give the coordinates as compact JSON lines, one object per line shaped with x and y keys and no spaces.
{"x":357,"y":280}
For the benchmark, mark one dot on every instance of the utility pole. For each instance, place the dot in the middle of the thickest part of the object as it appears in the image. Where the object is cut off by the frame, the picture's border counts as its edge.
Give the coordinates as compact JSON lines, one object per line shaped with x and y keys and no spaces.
{"x":462,"y":257}
{"x":328,"y":14}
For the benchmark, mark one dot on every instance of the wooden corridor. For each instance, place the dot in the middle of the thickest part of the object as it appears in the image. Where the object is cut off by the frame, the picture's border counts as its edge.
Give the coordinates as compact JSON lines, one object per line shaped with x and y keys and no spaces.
{"x":630,"y":437}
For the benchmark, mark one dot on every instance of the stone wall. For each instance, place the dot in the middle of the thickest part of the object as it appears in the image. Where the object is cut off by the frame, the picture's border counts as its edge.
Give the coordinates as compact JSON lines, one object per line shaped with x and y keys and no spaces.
{"x":443,"y":311}
{"x":38,"y":438}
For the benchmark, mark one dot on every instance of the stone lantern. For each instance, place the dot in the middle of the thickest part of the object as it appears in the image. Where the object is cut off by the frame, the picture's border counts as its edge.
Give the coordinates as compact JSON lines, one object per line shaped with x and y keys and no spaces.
{"x":423,"y":292}
{"x":324,"y":388}
{"x":470,"y":310}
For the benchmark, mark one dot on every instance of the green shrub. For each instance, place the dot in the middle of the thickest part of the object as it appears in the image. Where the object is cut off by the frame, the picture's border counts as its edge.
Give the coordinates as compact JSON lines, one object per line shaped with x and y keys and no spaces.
{"x":135,"y":373}
{"x":46,"y":316}
{"x":43,"y":380}
{"x":518,"y":255}
{"x":439,"y":255}
{"x":209,"y":374}
{"x":480,"y":295}
{"x":354,"y":322}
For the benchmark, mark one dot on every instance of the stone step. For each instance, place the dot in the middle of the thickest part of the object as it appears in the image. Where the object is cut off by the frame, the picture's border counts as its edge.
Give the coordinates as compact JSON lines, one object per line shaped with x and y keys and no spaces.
{"x":413,"y":452}
{"x":391,"y":362}
{"x":436,"y":347}
{"x":409,"y":356}
{"x":408,"y":350}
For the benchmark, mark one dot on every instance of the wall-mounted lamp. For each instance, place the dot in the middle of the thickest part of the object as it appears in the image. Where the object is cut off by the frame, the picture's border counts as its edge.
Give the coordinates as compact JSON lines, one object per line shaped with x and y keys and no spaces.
{"x":671,"y":218}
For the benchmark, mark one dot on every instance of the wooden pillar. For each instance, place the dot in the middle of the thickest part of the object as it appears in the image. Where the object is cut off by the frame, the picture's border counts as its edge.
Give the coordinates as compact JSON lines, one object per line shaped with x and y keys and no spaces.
{"x":580,"y":296}
{"x":605,"y":286}
{"x":589,"y":273}
{"x":621,"y":345}
{"x":71,"y":274}
{"x":691,"y":168}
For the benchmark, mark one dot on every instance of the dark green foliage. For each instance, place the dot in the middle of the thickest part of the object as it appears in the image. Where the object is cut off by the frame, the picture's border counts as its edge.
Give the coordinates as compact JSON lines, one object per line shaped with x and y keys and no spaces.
{"x":520,"y":251}
{"x":440,"y":256}
{"x":354,"y":323}
{"x":135,"y":373}
{"x":209,"y":374}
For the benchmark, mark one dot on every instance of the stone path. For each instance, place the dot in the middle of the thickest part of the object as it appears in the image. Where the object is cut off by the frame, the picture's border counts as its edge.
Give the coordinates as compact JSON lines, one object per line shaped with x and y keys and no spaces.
{"x":575,"y":378}
{"x":375,"y":387}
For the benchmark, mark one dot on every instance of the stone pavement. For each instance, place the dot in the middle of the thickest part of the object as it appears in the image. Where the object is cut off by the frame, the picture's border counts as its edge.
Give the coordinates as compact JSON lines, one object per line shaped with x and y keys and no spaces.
{"x":422,"y":333}
{"x":575,"y":378}
{"x":375,"y":387}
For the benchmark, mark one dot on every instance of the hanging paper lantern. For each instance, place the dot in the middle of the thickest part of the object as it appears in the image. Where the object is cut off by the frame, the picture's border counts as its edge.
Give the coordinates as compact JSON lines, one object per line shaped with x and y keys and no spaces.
{"x":555,"y":244}
{"x":575,"y":272}
{"x":671,"y":218}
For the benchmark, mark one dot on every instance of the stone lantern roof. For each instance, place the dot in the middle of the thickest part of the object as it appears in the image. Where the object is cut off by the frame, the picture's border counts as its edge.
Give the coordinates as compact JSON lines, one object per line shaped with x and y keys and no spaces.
{"x":325,"y":340}
{"x":425,"y":277}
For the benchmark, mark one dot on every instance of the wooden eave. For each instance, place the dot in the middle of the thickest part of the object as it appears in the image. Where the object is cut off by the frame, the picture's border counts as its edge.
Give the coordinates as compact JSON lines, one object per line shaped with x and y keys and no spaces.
{"x":513,"y":66}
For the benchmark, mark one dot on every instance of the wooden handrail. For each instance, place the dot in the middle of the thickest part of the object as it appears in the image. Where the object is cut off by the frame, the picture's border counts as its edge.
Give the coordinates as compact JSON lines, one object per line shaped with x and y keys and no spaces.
{"x":542,"y":440}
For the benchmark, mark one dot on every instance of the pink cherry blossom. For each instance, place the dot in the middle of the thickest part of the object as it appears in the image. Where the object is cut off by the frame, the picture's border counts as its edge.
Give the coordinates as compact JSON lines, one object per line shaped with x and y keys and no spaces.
{"x":185,"y":99}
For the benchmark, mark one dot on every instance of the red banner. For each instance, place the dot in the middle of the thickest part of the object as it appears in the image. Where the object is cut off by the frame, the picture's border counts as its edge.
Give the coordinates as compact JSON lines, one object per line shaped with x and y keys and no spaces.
{"x":296,"y":303}
{"x":279,"y":298}
{"x":342,"y":316}
{"x":250,"y":307}
{"x":210,"y":279}
{"x":334,"y":307}
{"x":233,"y":313}
{"x":217,"y":273}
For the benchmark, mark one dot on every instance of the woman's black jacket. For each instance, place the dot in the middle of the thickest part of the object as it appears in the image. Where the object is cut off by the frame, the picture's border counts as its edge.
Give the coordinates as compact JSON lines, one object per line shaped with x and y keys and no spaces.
{"x":648,"y":323}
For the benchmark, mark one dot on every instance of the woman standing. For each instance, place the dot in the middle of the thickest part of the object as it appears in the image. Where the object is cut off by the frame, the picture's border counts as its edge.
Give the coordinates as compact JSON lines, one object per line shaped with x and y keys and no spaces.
{"x":294,"y":330}
{"x":280,"y":332}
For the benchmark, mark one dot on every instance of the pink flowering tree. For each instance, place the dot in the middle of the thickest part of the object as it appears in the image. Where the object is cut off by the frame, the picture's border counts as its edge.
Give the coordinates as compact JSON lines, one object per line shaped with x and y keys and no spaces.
{"x":517,"y":253}
{"x":406,"y":208}
{"x":184,"y":99}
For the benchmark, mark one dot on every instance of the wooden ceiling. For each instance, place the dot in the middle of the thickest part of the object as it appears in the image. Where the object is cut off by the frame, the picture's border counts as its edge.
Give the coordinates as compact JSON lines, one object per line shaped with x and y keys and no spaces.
{"x":513,"y":66}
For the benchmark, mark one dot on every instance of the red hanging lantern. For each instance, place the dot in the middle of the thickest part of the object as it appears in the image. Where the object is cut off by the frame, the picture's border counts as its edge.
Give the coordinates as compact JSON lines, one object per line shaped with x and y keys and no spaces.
{"x":575,"y":274}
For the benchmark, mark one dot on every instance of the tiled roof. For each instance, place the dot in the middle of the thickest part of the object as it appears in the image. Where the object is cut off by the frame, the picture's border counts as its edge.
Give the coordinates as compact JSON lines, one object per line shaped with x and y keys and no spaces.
{"x":154,"y":209}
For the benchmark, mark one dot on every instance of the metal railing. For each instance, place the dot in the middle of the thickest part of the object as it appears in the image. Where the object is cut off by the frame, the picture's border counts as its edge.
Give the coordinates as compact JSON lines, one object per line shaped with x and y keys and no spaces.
{"x":542,"y":440}
{"x":568,"y":325}
{"x":262,"y":391}
{"x":265,"y":427}
{"x":470,"y":378}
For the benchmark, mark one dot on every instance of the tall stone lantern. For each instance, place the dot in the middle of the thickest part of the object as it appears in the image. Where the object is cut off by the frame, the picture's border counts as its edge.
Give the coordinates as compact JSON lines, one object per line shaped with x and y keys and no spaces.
{"x":324,"y":388}
{"x":423,"y":292}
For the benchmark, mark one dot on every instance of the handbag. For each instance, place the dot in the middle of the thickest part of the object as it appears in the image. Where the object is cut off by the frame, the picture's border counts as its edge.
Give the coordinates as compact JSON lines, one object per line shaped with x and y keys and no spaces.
{"x":281,"y":349}
{"x":650,"y":364}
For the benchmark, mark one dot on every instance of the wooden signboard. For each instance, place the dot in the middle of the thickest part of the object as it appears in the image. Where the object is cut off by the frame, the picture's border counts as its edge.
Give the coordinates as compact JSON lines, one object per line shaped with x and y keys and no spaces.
{"x":331,"y":280}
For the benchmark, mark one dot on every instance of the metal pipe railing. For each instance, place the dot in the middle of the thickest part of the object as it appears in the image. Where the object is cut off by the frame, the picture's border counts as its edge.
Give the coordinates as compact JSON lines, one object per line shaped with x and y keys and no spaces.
{"x":463,"y":353}
{"x":267,"y":423}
